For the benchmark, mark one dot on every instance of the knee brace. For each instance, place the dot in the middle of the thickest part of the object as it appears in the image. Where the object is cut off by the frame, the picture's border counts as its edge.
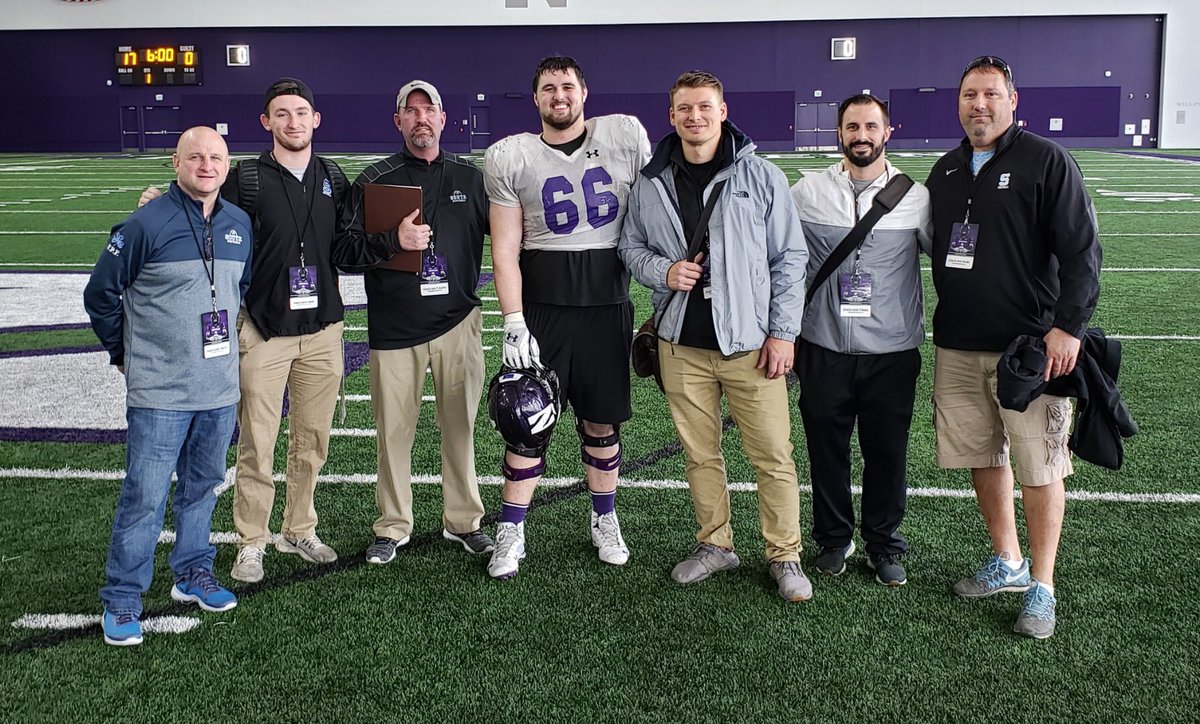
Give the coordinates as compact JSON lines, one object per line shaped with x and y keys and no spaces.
{"x":586,"y":441}
{"x":516,"y":475}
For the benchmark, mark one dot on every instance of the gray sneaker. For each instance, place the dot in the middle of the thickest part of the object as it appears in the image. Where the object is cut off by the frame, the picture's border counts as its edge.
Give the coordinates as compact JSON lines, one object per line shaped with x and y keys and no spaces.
{"x":248,"y":566}
{"x":793,"y":584}
{"x":383,"y":550}
{"x":994,"y":577}
{"x":310,"y":549}
{"x":832,"y":560}
{"x":889,"y":571}
{"x":476,"y":541}
{"x":1037,"y":616}
{"x":705,"y":560}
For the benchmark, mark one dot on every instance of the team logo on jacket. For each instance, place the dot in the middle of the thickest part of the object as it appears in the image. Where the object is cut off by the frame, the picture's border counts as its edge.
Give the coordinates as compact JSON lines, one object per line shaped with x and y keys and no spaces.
{"x":1003,"y":181}
{"x":458,"y":197}
{"x":232,"y":237}
{"x":116,"y":243}
{"x":327,"y":188}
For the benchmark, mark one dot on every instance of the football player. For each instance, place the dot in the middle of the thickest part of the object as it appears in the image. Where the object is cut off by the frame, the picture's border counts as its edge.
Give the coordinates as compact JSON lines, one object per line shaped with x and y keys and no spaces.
{"x":557,"y":201}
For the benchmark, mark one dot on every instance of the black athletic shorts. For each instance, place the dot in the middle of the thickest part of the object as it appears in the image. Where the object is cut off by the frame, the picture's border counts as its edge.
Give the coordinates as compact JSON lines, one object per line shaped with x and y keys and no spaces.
{"x":588,"y":348}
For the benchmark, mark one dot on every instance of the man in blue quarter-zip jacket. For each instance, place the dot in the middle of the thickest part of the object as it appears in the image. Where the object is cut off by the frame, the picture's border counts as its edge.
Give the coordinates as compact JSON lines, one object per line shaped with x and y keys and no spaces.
{"x":162,"y":299}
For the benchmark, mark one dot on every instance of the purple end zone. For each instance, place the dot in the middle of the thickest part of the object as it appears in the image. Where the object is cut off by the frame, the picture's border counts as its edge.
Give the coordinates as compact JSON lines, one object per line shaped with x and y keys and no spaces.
{"x":46,"y":352}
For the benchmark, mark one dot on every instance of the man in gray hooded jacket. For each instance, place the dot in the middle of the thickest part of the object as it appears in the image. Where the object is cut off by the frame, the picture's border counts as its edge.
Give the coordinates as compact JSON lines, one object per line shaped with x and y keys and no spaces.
{"x":858,"y":359}
{"x":733,"y":323}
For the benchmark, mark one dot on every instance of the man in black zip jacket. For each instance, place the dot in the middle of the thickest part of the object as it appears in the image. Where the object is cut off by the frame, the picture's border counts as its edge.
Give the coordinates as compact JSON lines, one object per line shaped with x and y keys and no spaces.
{"x":1015,"y":252}
{"x":430,"y":319}
{"x":289,"y":327}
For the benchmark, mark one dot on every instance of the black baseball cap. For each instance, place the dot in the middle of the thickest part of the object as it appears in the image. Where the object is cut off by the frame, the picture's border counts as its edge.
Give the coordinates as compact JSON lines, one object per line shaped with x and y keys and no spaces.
{"x":289,"y":87}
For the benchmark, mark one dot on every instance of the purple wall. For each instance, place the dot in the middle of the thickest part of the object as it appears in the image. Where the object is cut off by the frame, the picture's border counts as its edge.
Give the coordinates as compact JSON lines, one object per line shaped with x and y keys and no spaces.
{"x":58,"y":100}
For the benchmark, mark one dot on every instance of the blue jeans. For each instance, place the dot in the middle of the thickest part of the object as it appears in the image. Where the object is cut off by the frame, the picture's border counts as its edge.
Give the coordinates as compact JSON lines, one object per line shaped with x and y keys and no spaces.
{"x":193,"y":445}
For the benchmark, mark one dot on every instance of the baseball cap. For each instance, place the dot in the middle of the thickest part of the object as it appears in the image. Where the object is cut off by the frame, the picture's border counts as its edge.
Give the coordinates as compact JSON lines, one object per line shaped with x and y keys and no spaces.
{"x":289,"y":87}
{"x":420,"y":85}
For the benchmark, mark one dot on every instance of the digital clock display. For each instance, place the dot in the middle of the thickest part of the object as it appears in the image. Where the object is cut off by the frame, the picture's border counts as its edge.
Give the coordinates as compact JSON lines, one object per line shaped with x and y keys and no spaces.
{"x":163,"y":65}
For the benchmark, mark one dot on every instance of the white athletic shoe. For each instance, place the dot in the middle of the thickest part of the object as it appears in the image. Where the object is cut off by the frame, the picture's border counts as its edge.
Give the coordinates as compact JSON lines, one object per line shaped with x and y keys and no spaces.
{"x":509,"y":552}
{"x":606,"y":536}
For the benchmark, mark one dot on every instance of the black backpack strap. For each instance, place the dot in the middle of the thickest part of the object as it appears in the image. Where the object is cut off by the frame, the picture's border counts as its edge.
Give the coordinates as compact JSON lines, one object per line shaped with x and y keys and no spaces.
{"x":336,"y":177}
{"x":248,"y":185}
{"x":886,"y":200}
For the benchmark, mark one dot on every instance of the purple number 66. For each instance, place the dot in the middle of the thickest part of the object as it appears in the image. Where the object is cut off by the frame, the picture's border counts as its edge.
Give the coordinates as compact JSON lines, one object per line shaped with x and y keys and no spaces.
{"x":562,"y":214}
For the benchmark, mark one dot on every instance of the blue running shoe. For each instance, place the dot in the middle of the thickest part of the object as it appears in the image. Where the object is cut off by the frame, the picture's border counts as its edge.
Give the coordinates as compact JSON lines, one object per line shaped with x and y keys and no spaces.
{"x":201,"y":588}
{"x":995,"y":577}
{"x":1037,"y":616}
{"x":121,"y":628}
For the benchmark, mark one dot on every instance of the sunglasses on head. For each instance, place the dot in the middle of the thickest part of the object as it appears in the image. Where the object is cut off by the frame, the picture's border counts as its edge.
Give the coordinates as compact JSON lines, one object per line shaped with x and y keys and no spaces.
{"x":990,"y":61}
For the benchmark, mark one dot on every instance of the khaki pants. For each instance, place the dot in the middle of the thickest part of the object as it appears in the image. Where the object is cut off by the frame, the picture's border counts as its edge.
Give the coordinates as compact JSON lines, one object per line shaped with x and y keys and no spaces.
{"x":310,"y":366}
{"x":397,"y":380}
{"x":694,"y":380}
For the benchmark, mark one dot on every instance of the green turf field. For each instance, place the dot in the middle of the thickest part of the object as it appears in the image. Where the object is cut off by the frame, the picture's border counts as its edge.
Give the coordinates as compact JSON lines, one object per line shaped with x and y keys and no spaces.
{"x":430,"y":638}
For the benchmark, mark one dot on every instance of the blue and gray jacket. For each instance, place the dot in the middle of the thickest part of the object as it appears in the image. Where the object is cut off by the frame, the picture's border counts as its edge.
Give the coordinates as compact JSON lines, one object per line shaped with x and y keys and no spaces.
{"x":148,"y":290}
{"x":756,"y":247}
{"x":890,"y":253}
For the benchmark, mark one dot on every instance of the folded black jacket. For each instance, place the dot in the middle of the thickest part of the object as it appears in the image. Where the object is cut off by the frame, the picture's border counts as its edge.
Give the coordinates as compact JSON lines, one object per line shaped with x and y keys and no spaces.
{"x":1101,"y":417}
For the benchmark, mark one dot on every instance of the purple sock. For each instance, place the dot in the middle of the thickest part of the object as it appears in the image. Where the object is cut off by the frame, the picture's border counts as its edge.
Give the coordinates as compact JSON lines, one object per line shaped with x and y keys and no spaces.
{"x":604,"y":503}
{"x":512,"y":513}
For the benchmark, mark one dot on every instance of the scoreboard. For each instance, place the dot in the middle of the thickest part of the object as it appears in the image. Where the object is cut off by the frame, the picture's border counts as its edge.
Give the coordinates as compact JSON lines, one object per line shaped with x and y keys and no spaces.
{"x":163,"y":65}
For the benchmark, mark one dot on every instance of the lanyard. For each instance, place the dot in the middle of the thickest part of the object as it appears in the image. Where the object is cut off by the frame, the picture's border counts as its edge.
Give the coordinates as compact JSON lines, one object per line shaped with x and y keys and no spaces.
{"x":207,"y":255}
{"x":429,"y":217}
{"x":300,"y":232}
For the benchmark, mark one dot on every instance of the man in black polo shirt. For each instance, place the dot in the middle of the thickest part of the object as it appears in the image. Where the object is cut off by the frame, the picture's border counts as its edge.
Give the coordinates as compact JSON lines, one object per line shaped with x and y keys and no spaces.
{"x":431,"y":320}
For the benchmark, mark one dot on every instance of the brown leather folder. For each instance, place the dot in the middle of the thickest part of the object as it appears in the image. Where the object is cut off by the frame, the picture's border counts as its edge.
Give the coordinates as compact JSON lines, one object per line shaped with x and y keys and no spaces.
{"x":385,"y":206}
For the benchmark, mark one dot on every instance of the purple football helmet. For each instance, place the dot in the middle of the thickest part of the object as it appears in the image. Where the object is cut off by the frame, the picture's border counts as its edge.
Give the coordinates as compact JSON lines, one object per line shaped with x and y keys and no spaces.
{"x":524,"y":406}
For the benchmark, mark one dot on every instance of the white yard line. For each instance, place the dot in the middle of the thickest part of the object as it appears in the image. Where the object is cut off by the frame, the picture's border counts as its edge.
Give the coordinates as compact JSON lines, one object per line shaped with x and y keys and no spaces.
{"x":65,"y":621}
{"x":371,"y":479}
{"x":24,"y":264}
{"x":367,"y":398}
{"x":1137,"y":337}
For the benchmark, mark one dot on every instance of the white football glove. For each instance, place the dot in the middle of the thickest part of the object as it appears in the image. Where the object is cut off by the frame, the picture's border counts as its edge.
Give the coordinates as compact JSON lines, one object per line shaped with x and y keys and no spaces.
{"x":520,"y":348}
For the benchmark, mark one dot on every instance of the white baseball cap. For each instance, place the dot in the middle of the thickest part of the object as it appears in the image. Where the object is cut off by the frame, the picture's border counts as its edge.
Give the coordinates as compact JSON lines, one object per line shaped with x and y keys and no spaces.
{"x":420,"y":85}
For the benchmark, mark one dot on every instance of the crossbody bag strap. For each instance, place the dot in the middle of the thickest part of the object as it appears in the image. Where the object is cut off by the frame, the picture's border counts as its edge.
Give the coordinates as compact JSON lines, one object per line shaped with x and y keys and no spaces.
{"x":886,"y":200}
{"x":701,"y":227}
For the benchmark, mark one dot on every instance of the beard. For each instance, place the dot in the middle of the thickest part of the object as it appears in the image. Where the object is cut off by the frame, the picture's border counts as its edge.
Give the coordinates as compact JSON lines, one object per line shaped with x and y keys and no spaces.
{"x":561,"y":123}
{"x":423,"y":140}
{"x":862,"y":161}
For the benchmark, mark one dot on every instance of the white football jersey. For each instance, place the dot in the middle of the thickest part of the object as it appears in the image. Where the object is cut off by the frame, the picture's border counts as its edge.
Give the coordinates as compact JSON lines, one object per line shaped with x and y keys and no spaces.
{"x":570,"y":203}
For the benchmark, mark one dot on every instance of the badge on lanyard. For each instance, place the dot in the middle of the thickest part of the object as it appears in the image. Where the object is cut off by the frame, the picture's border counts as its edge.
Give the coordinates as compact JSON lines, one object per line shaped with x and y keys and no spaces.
{"x":963,"y":237}
{"x":854,"y":293}
{"x":214,"y":333}
{"x":434,"y":279}
{"x":302,"y":287}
